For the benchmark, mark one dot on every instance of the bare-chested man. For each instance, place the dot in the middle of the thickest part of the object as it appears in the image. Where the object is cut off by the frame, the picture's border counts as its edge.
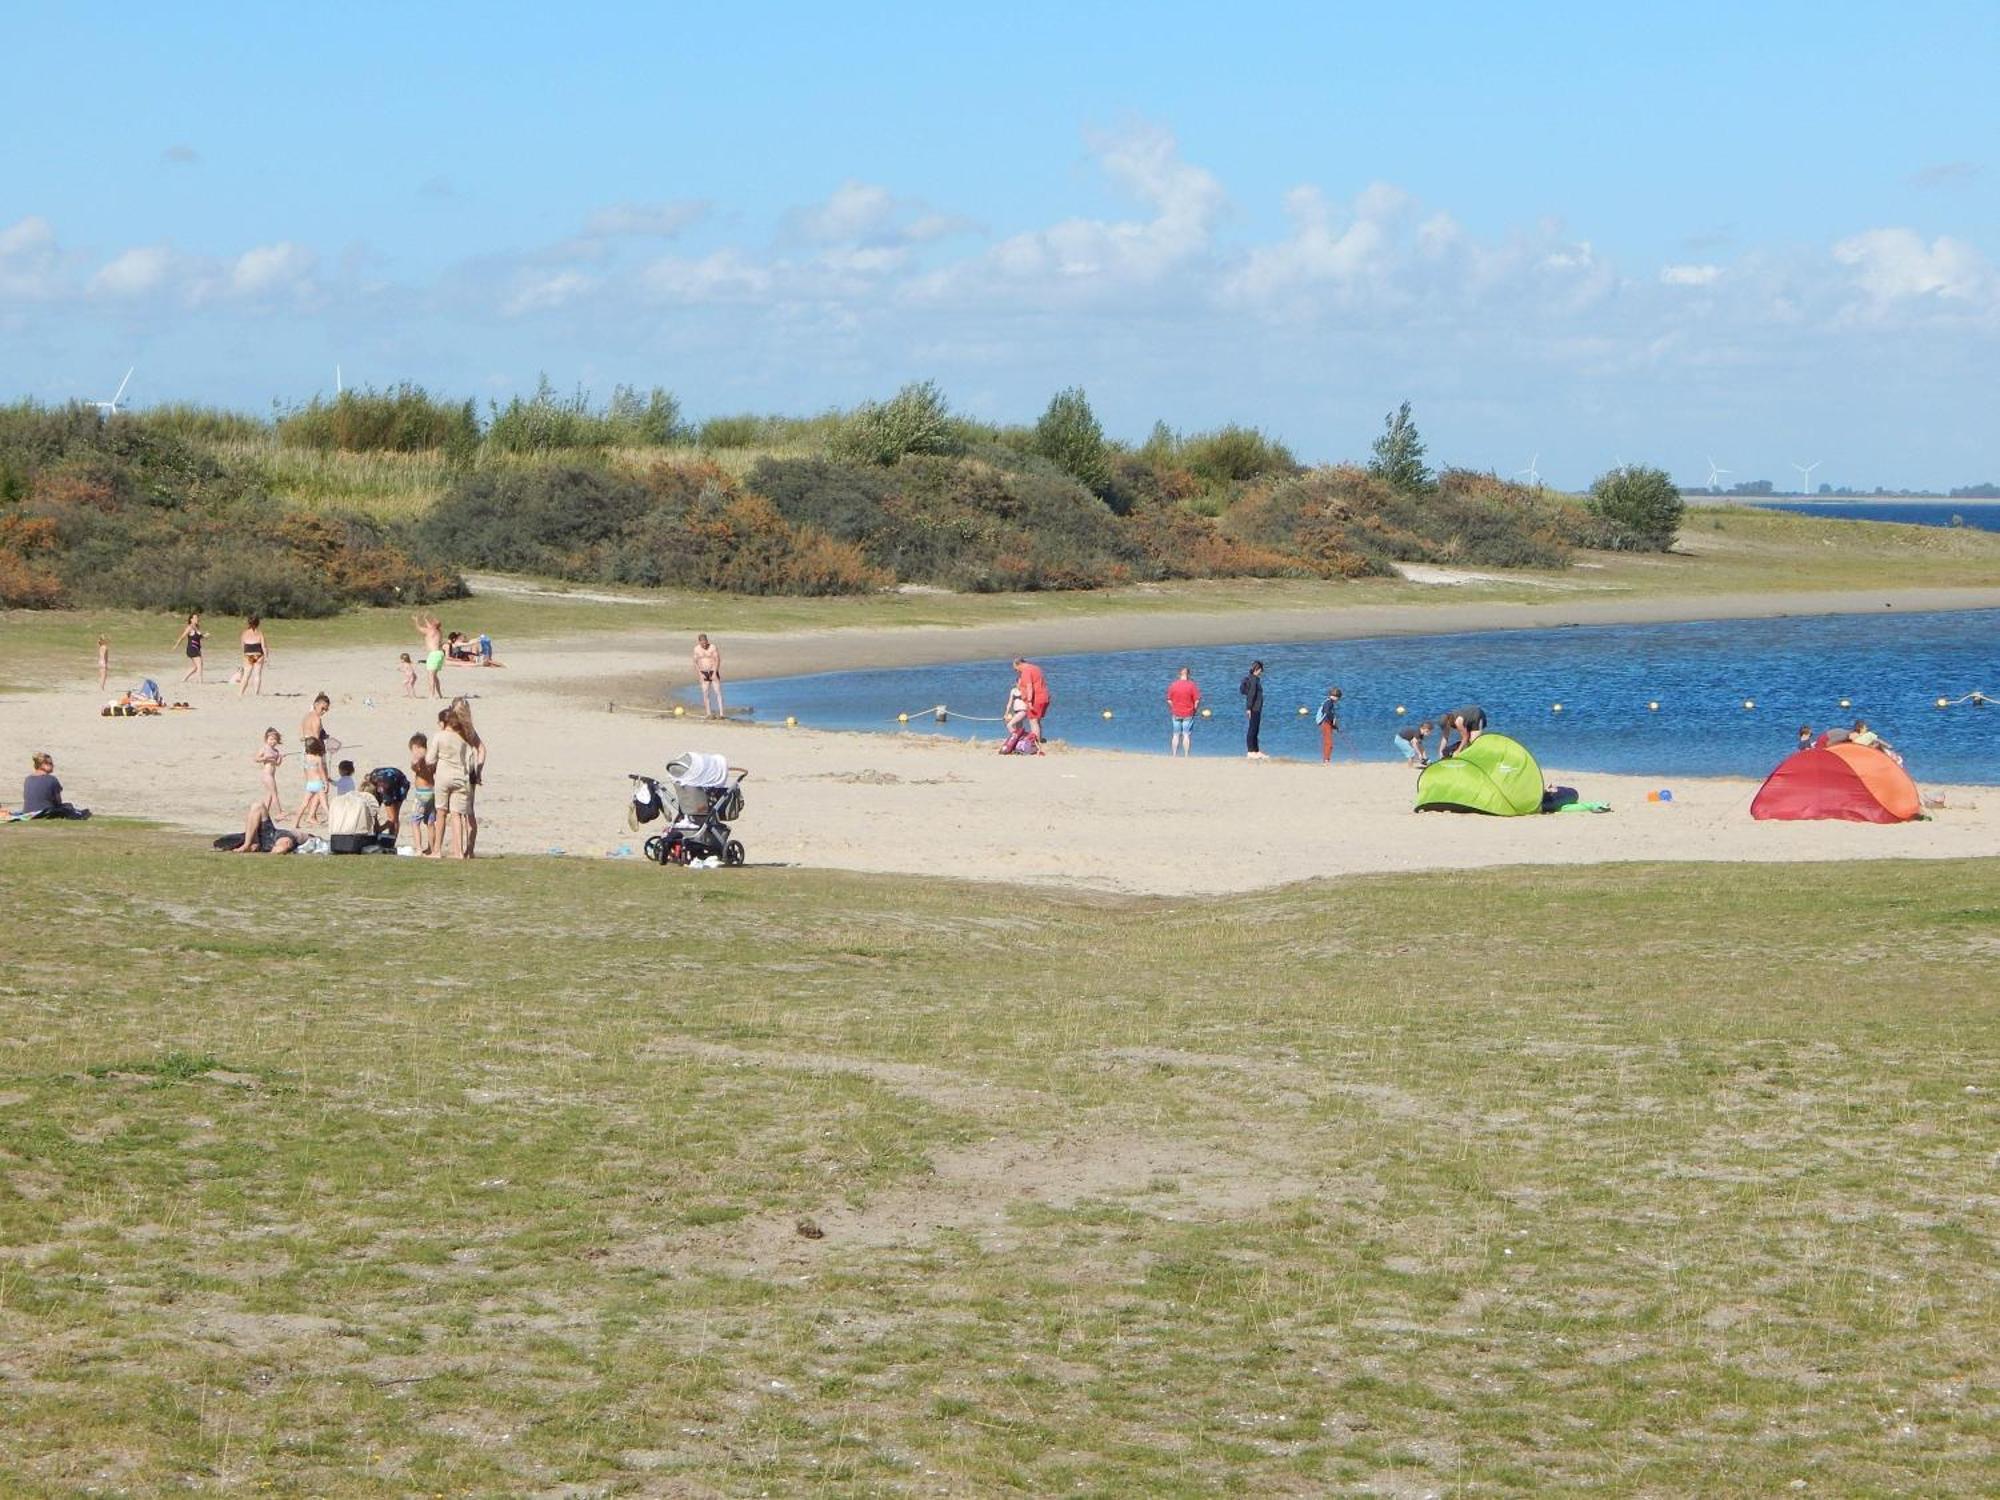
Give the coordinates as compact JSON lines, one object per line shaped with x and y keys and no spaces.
{"x":432,"y":630}
{"x":708,"y":669}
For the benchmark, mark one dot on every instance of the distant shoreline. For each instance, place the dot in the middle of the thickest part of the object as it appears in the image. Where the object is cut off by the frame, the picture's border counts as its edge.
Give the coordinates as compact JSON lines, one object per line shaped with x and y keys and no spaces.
{"x":1755,"y":501}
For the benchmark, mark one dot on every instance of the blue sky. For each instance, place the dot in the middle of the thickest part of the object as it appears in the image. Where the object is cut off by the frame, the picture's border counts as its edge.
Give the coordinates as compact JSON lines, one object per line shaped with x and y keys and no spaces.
{"x":1764,"y":234}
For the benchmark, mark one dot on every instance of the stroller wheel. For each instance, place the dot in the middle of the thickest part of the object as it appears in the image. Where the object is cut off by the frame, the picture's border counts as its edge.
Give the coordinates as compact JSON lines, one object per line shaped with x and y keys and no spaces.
{"x":732,"y":853}
{"x":656,"y":849}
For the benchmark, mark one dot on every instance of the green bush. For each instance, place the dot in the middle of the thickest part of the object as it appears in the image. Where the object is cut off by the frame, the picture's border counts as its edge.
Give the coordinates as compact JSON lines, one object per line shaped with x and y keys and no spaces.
{"x":846,"y":501}
{"x":1344,"y":522}
{"x":916,"y":419}
{"x":556,"y":519}
{"x":1641,"y":505}
{"x":1070,"y":437}
{"x":547,"y":423}
{"x":203,"y":424}
{"x":684,"y":525}
{"x":403,"y":419}
{"x":1232,"y":455}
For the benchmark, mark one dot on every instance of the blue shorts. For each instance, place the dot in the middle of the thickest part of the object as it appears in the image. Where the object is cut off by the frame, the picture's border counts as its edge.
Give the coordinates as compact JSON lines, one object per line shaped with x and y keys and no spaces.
{"x":1183,"y":726}
{"x":1408,"y":747}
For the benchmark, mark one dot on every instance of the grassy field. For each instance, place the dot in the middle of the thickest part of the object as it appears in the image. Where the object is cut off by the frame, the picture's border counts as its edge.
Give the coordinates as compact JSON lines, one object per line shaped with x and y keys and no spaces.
{"x":622,"y":1181}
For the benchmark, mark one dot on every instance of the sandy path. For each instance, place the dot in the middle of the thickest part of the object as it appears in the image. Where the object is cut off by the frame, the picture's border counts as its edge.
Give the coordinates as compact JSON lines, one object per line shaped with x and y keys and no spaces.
{"x":908,"y":804}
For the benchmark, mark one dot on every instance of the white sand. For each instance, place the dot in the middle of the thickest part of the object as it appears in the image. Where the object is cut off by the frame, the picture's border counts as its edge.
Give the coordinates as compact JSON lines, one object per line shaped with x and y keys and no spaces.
{"x":910,"y":804}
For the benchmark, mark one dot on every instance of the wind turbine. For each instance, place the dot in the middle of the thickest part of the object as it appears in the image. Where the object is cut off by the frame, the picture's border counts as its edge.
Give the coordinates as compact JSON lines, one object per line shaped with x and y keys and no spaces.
{"x":1534,"y":474}
{"x":1715,"y":473}
{"x":1805,"y":472}
{"x":110,"y":408}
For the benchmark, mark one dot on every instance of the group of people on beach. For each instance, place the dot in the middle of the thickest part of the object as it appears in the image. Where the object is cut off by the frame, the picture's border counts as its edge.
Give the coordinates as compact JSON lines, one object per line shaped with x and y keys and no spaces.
{"x":1028,"y":701}
{"x":1856,"y":734}
{"x":446,"y":767}
{"x":441,"y":648}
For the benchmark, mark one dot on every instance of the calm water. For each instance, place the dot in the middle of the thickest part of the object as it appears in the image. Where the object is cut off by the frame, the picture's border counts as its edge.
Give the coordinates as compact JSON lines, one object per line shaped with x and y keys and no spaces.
{"x":1978,"y":515}
{"x":1891,"y":667}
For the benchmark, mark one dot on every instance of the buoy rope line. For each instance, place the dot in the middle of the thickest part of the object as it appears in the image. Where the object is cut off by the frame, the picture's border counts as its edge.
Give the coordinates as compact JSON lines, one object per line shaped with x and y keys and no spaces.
{"x":942,"y":713}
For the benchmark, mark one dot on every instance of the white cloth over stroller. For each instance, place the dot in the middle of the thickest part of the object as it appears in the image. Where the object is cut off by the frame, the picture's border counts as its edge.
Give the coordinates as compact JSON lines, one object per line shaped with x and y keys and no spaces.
{"x":699,"y":768}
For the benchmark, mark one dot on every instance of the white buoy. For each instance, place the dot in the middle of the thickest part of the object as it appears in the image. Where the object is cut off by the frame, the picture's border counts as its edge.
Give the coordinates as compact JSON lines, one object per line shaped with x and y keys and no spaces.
{"x":791,"y":722}
{"x":1555,"y":708}
{"x":1107,"y":713}
{"x":1749,"y":702}
{"x":1653,"y":707}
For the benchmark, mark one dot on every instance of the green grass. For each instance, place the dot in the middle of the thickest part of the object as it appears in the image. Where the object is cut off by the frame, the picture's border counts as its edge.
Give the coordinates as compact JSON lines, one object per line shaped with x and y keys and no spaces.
{"x":1670,"y":1182}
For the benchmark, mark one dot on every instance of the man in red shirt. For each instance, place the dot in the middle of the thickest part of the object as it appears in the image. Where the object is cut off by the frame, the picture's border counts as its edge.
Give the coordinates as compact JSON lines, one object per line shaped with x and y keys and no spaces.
{"x":1035,"y":689}
{"x":1183,"y":698}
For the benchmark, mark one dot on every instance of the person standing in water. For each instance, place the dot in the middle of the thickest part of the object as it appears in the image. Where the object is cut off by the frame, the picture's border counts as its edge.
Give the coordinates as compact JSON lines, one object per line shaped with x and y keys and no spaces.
{"x":190,"y":637}
{"x":1252,"y":689}
{"x":1183,"y":699}
{"x":708,"y":671}
{"x":255,"y":649}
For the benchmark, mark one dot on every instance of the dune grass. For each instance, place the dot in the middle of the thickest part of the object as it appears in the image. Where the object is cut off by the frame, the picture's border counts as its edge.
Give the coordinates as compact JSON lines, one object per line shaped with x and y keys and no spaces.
{"x":1665,"y":1180}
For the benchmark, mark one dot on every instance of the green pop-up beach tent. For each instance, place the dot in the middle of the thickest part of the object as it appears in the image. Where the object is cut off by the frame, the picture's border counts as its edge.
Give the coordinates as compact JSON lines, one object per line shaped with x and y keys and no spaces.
{"x":1491,"y":775}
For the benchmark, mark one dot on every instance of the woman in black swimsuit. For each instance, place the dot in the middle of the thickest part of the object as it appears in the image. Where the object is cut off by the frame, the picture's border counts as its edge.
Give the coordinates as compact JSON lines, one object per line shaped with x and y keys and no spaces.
{"x":254,"y":652}
{"x":191,"y":635}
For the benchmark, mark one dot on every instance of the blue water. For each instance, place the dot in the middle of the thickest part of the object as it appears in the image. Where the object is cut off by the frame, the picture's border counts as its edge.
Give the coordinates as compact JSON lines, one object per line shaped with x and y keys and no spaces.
{"x":1890,"y":667}
{"x":1975,"y":515}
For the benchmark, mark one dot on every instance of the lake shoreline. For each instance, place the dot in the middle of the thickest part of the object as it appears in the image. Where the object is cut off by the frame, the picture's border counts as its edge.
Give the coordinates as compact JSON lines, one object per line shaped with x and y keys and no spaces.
{"x":753,"y":656}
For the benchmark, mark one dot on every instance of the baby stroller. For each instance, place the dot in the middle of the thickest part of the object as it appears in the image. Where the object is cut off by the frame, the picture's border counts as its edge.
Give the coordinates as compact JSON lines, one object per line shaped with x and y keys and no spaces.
{"x":700,"y":798}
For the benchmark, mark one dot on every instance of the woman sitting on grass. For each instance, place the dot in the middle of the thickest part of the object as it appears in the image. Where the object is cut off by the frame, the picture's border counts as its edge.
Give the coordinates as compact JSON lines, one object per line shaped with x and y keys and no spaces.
{"x":42,"y":794}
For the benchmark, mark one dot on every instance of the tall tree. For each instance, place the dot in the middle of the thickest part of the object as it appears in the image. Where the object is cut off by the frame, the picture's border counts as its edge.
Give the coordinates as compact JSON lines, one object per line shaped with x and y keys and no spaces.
{"x":1070,"y":437}
{"x":1399,"y":452}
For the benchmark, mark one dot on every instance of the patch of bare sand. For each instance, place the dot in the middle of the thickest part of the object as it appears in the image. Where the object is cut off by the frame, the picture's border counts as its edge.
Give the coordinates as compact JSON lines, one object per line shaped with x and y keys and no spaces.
{"x":934,"y":1086}
{"x":974,"y":1189}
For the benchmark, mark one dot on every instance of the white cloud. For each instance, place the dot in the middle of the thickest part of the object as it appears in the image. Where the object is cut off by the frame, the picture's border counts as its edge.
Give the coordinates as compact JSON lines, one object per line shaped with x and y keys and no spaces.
{"x":1690,"y":275}
{"x":1895,"y":265}
{"x":272,"y":268}
{"x":543,"y":293}
{"x":29,"y":260}
{"x":661,"y":221}
{"x":725,"y":276}
{"x":1339,"y":252}
{"x":867,"y":214}
{"x":1093,"y":259}
{"x":135,"y":273}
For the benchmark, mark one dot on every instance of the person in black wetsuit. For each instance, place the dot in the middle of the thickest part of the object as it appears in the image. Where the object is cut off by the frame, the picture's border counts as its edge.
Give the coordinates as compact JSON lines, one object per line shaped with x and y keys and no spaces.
{"x":1252,"y":689}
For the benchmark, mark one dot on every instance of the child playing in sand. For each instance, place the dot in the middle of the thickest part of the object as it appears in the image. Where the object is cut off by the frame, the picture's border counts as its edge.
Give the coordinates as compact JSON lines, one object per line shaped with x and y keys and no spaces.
{"x":423,"y":791}
{"x":343,"y":783}
{"x":409,"y":675}
{"x":103,"y":662}
{"x":267,"y":760}
{"x":315,"y":798}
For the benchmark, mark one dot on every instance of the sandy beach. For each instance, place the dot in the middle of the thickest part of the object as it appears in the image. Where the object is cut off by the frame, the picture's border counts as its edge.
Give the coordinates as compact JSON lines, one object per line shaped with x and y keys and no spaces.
{"x":915,"y":804}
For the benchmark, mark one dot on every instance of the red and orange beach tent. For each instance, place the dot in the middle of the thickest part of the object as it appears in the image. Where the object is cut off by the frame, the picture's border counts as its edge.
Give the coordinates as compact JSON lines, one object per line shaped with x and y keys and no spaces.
{"x":1855,"y":782}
